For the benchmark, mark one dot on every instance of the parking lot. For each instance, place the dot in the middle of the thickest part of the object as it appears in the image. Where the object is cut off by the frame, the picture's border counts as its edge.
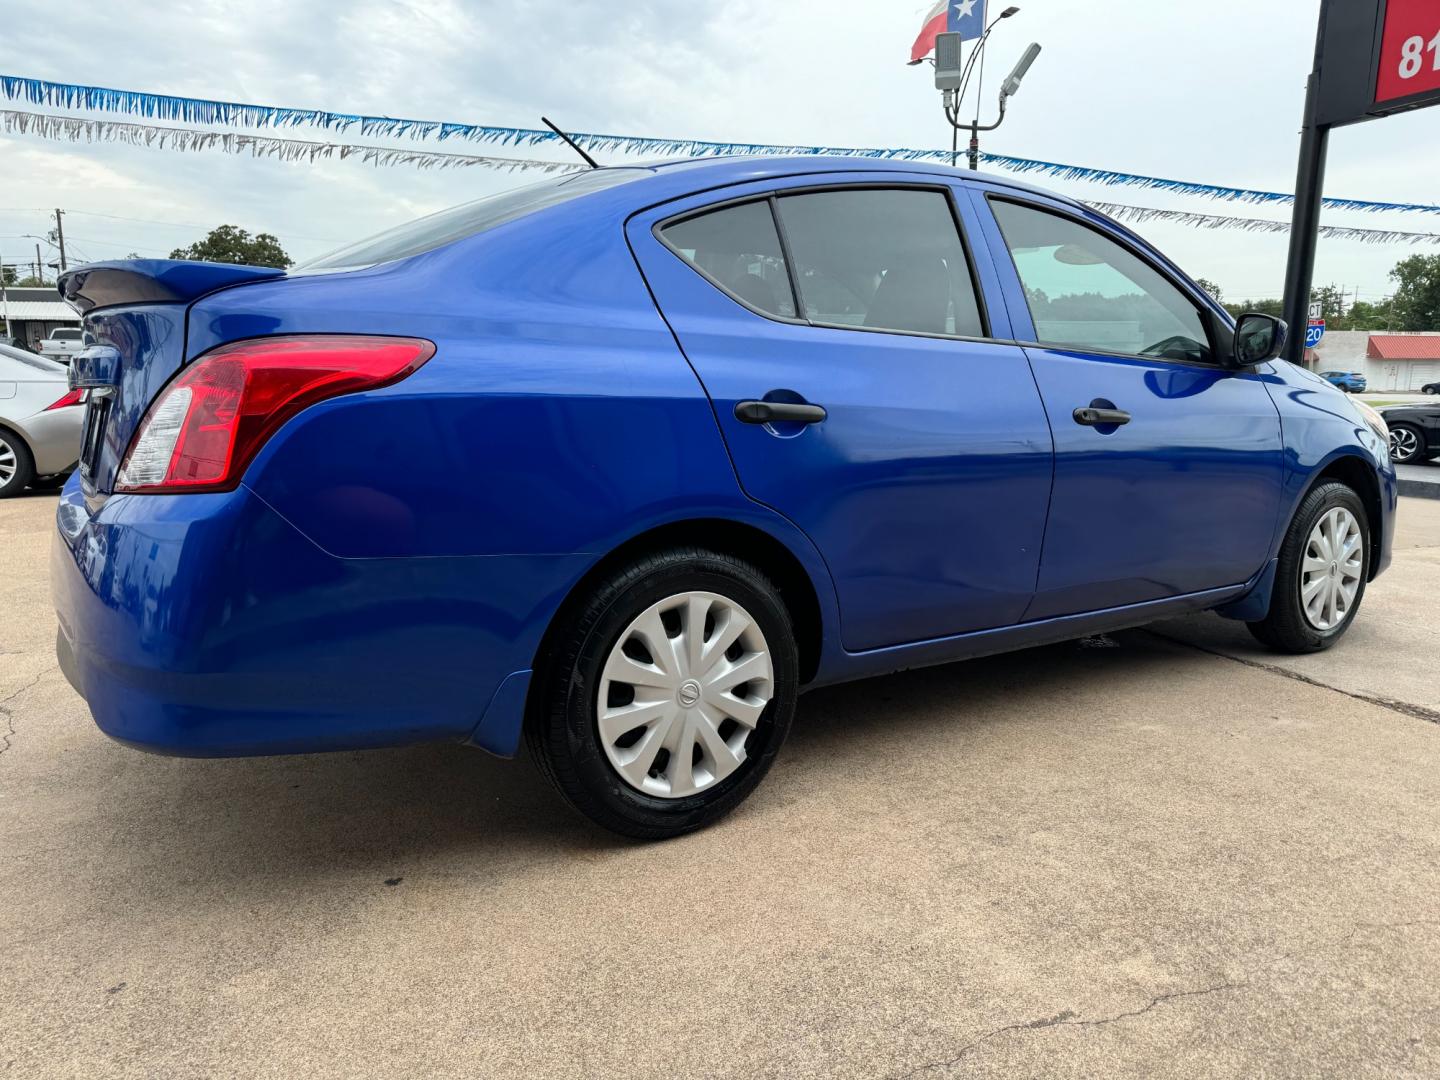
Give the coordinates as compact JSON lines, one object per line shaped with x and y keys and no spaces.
{"x":1161,"y":853}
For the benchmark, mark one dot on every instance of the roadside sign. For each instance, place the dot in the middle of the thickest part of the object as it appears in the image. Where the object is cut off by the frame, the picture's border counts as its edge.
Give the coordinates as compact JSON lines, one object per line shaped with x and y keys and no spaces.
{"x":1317,"y":311}
{"x":1314,"y":332}
{"x":1409,"y":51}
{"x":1375,"y":58}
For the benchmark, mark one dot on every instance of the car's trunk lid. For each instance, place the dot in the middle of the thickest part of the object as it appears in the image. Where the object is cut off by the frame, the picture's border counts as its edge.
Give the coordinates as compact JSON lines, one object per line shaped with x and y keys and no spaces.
{"x":135,"y":322}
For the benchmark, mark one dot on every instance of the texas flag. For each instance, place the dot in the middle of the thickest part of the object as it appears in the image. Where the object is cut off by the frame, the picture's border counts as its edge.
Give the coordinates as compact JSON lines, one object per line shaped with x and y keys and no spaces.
{"x":965,"y":17}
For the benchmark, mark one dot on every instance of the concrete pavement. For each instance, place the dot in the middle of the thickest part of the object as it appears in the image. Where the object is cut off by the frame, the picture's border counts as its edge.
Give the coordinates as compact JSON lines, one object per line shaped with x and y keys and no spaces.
{"x":1157,"y":854}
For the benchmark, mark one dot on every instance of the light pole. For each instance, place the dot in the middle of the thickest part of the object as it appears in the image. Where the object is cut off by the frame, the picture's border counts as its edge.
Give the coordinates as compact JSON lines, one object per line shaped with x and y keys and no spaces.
{"x":952,"y":77}
{"x":1008,"y":90}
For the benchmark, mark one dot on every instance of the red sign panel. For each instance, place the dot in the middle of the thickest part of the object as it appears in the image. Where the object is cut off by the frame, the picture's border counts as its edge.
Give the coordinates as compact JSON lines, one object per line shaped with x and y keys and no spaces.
{"x":1410,"y":54}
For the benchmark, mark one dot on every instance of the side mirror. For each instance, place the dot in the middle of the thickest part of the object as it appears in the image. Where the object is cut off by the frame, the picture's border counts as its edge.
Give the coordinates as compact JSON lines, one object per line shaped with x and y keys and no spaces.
{"x":1258,"y":338}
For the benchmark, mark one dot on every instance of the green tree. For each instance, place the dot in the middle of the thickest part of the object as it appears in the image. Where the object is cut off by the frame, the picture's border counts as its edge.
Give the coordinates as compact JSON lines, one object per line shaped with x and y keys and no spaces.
{"x":229,"y":244}
{"x":1264,"y":307}
{"x":1210,"y":287}
{"x":1364,"y":315}
{"x":1416,"y":303}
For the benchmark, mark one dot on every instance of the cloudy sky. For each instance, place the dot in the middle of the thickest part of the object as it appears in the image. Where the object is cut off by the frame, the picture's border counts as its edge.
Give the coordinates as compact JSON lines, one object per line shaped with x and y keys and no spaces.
{"x":1208,"y":90}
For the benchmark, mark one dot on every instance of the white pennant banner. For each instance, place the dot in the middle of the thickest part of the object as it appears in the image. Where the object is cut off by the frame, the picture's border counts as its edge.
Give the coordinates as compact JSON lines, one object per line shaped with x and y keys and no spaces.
{"x":74,"y":129}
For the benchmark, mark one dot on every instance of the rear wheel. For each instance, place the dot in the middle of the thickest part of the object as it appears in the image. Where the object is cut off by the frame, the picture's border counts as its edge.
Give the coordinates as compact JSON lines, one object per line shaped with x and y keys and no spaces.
{"x":1320,"y":580}
{"x":668,"y":693}
{"x":17,"y":468}
{"x":1406,"y":444}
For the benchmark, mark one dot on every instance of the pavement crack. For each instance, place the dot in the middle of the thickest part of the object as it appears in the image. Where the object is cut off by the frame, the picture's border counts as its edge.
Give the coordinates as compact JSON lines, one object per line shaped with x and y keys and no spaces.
{"x":1405,"y":708}
{"x":1349,"y":936}
{"x":8,"y":735}
{"x":1069,"y":1019}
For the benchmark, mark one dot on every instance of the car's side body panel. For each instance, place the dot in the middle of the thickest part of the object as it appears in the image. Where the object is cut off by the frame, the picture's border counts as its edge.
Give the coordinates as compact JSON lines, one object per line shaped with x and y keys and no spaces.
{"x":926,"y":487}
{"x":1137,"y":509}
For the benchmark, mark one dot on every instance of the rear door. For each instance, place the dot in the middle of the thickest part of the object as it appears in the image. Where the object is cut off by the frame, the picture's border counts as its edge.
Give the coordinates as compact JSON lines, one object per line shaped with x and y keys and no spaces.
{"x":925,"y":484}
{"x":1180,"y":493}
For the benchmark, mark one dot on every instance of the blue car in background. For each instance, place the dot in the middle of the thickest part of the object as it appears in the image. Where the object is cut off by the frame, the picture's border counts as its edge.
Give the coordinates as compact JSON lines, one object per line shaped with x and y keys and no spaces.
{"x":620,"y":463}
{"x":1352,"y":382}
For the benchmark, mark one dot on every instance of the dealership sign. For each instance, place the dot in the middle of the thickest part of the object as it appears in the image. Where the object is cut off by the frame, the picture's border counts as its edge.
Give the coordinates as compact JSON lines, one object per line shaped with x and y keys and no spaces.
{"x":1377,"y":57}
{"x":1373,"y":58}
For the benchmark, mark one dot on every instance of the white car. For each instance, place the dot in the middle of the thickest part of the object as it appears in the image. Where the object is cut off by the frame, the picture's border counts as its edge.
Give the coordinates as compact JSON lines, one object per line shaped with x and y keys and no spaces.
{"x":63,"y":343}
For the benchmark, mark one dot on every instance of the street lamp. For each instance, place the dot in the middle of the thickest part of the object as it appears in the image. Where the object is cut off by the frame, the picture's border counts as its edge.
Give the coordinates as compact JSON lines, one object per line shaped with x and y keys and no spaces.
{"x":954,"y":81}
{"x":1008,"y":89}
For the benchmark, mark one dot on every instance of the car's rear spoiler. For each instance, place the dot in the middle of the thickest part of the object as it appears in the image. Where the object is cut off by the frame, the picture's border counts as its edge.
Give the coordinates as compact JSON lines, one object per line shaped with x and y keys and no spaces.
{"x":152,"y":281}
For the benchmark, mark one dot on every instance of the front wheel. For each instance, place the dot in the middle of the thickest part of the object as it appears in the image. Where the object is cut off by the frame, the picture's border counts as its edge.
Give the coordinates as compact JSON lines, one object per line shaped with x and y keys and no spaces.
{"x":1406,"y":444}
{"x":667,"y":693}
{"x":1320,"y":580}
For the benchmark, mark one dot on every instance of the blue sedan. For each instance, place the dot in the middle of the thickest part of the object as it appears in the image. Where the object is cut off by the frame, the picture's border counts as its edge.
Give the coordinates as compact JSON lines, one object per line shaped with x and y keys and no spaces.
{"x":621,"y":463}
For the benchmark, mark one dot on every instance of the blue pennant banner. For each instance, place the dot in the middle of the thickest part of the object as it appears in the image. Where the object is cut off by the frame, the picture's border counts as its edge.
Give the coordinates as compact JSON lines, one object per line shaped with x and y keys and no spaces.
{"x":233,"y":114}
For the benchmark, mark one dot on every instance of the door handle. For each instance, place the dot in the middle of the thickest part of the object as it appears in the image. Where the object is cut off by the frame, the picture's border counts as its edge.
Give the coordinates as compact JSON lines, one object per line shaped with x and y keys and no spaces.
{"x":1093,"y":417}
{"x":766,"y":412}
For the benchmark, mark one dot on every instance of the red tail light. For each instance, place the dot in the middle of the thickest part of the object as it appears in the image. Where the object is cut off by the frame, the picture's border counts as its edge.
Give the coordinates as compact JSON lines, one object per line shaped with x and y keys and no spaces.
{"x":211,"y":421}
{"x":74,"y":397}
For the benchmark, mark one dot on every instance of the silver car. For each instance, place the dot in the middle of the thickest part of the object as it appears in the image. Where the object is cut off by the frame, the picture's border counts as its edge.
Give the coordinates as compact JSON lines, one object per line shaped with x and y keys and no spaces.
{"x":40,"y":421}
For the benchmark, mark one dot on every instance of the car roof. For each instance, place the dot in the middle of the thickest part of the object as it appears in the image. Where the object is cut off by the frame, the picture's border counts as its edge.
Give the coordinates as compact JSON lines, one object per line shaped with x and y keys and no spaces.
{"x":718,"y":171}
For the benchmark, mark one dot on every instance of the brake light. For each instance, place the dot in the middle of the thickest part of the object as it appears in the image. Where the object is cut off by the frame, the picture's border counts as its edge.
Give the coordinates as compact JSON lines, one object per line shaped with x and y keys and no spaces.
{"x":211,"y":421}
{"x":74,"y":397}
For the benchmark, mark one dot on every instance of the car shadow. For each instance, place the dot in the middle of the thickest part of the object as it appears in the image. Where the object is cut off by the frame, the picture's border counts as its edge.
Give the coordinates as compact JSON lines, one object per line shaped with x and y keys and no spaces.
{"x":251,"y":826}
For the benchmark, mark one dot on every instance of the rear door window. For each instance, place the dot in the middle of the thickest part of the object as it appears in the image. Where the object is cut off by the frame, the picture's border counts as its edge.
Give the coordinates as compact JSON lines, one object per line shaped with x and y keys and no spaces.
{"x":738,"y":249}
{"x":881,"y":259}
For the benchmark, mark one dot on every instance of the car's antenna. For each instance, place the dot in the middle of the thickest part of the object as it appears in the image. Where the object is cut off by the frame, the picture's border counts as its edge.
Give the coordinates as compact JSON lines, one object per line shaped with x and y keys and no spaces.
{"x":571,"y":143}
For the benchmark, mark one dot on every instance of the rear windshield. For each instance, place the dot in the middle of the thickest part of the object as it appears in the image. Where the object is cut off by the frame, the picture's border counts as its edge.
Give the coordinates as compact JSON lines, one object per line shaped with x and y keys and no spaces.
{"x":30,"y":360}
{"x":65,"y":335}
{"x":437,"y":230}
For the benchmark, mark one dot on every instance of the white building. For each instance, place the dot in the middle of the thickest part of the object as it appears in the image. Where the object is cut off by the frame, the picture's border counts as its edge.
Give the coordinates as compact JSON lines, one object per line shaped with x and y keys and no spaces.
{"x":1389,"y":361}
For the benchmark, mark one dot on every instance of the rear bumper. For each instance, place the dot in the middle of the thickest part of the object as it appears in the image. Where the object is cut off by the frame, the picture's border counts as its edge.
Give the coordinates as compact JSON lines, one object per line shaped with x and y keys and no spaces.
{"x":206,"y":625}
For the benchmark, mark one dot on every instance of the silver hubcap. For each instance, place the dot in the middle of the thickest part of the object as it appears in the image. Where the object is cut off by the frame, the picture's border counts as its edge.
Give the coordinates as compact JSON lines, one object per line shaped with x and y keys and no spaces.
{"x":8,"y":465}
{"x":1403,"y":443}
{"x":681,"y":692}
{"x":1330,"y":575}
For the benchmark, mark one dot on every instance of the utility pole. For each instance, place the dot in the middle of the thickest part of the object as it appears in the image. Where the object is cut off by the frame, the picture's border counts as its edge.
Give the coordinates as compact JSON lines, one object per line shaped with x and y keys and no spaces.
{"x":60,"y":236}
{"x":39,"y":266}
{"x":4,"y":302}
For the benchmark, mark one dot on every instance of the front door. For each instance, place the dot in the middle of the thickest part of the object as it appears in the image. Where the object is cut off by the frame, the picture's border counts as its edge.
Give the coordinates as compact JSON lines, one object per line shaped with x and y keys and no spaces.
{"x":925,"y":484}
{"x":1168,"y":467}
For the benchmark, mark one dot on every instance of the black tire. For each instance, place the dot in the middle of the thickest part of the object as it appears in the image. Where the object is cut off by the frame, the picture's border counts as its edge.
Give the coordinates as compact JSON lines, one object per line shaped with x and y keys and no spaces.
{"x":1285,"y":628}
{"x":1418,"y":454}
{"x":12,"y":446}
{"x":562,"y":730}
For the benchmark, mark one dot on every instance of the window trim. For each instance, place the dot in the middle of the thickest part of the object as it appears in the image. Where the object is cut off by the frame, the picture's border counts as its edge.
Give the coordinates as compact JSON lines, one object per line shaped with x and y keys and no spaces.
{"x":1207,"y":317}
{"x":772,"y":198}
